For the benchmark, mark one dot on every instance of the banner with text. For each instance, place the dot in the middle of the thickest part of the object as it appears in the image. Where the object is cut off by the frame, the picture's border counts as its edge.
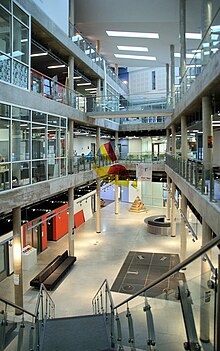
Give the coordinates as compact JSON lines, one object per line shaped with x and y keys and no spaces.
{"x":144,"y":172}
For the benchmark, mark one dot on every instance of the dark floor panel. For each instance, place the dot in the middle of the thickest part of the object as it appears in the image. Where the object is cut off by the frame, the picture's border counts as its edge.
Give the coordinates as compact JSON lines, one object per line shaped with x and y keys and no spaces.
{"x":142,"y":268}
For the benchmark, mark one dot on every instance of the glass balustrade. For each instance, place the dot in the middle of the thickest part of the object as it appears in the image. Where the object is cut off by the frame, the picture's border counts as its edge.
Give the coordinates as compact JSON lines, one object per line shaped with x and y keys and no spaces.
{"x":21,"y":329}
{"x":173,"y":307}
{"x":208,"y":47}
{"x":205,"y":178}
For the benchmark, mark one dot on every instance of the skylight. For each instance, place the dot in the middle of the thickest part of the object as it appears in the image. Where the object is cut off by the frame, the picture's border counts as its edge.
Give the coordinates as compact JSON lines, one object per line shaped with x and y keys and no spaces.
{"x":114,"y":33}
{"x":132,"y":48}
{"x":136,"y":57}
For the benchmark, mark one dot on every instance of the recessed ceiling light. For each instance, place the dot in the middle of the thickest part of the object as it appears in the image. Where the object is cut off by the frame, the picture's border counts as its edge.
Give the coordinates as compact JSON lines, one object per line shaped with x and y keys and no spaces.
{"x":39,"y":54}
{"x":132,"y":48}
{"x":77,"y":77}
{"x":56,"y":66}
{"x":79,"y":84}
{"x":193,"y":36}
{"x":114,"y":33}
{"x":177,"y":54}
{"x":91,"y":89}
{"x":136,"y":57}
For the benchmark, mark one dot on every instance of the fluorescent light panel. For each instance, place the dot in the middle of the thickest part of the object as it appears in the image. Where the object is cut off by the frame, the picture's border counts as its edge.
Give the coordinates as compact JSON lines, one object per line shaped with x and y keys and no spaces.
{"x":39,"y":54}
{"x":177,"y":54}
{"x":81,"y":84}
{"x":197,"y":36}
{"x":132,"y":48}
{"x":136,"y":57}
{"x":56,"y":66}
{"x":77,"y":77}
{"x":92,"y":89}
{"x":114,"y":33}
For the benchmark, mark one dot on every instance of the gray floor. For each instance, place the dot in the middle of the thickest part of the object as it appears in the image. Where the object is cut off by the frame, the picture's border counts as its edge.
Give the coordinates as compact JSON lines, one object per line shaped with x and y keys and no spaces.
{"x":101,"y":256}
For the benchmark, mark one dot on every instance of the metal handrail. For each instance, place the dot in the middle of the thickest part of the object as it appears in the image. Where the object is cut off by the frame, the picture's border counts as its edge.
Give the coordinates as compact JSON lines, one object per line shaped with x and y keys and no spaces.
{"x":105,"y":282}
{"x":173,"y":270}
{"x":12,"y":304}
{"x":42,"y":287}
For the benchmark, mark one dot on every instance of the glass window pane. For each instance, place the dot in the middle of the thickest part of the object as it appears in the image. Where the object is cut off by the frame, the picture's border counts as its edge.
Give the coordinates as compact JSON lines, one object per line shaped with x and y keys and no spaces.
{"x":5,"y":32}
{"x":39,"y":117}
{"x":4,"y":110}
{"x":21,"y":113}
{"x":38,"y":141}
{"x":21,"y":42}
{"x":20,"y":174}
{"x":53,"y":168}
{"x":62,"y":141}
{"x":5,"y":68}
{"x":4,"y":139}
{"x":6,"y":4}
{"x":53,"y":120}
{"x":63,"y":122}
{"x":20,"y":141}
{"x":4,"y":176}
{"x":53,"y":140}
{"x":23,"y":17}
{"x":20,"y":75}
{"x":63,"y":166}
{"x":39,"y":171}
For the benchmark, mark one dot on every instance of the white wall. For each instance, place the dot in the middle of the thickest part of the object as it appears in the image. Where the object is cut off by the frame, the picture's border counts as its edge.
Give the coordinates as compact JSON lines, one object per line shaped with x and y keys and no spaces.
{"x":134,"y":146}
{"x":58,"y":11}
{"x":216,"y":148}
{"x":146,"y":144}
{"x":141,"y":80}
{"x":82,"y":144}
{"x":84,"y":203}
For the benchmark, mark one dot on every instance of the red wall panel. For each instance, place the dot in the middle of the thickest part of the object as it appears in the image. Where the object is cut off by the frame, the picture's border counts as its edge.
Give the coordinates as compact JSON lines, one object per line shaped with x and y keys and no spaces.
{"x":79,"y":218}
{"x":60,"y":222}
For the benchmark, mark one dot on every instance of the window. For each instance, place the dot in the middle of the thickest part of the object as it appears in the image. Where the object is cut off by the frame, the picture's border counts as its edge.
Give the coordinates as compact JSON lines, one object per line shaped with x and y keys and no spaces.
{"x":153,"y":80}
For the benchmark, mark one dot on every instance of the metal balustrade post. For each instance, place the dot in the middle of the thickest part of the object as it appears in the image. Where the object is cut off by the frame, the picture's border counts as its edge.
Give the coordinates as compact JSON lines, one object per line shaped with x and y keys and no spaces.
{"x":20,"y":343}
{"x":101,"y":302}
{"x":131,"y":339}
{"x":3,"y":330}
{"x":150,"y":324}
{"x":119,"y":333}
{"x":112,"y":327}
{"x":98,"y":307}
{"x":106,"y":300}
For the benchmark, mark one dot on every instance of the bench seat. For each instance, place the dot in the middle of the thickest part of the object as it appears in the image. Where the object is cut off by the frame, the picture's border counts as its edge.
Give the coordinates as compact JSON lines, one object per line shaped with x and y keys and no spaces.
{"x":54,"y":271}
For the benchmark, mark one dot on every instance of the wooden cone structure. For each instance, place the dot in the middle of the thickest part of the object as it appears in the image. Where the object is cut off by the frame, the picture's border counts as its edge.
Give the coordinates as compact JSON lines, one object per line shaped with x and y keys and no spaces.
{"x":137,"y":206}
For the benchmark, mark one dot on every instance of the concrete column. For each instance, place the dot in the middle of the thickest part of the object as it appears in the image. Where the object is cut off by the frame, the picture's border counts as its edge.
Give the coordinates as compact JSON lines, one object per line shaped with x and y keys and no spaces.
{"x":97,"y":138}
{"x":184,"y":144}
{"x":168,"y":199}
{"x":116,"y":194}
{"x":204,"y":290}
{"x":98,"y":91}
{"x":17,"y":252}
{"x":70,"y":145}
{"x":168,"y":140}
{"x":116,"y":144}
{"x":173,"y":210}
{"x":71,"y":220}
{"x":206,"y":19}
{"x":183,"y":231}
{"x":98,"y":207}
{"x":172,"y":75}
{"x":71,"y":18}
{"x":116,"y":69}
{"x":71,"y":81}
{"x":182,"y":29}
{"x":173,"y":129}
{"x":167,"y":82}
{"x":207,"y":132}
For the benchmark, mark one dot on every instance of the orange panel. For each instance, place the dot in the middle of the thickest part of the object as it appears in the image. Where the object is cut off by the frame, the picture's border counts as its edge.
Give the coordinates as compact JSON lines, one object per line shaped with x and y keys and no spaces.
{"x":79,"y":218}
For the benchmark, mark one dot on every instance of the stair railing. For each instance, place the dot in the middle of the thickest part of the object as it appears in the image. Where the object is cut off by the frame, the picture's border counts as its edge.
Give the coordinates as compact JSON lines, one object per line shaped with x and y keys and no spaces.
{"x":45,"y":309}
{"x":151,"y":340}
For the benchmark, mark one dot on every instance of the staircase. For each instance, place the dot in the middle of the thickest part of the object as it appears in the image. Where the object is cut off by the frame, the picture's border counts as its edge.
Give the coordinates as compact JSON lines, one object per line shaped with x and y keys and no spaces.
{"x":83,"y":333}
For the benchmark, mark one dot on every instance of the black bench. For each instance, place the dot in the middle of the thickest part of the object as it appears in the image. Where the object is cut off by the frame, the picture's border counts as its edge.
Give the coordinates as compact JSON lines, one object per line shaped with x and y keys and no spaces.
{"x":54,"y":271}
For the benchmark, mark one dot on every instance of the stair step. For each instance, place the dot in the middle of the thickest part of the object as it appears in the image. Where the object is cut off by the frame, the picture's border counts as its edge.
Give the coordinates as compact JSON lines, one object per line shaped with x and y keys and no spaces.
{"x":83,"y":333}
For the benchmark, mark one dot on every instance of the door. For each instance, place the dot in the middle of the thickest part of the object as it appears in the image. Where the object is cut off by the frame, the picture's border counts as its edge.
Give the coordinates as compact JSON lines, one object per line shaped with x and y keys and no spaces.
{"x":3,"y":261}
{"x":37,"y":236}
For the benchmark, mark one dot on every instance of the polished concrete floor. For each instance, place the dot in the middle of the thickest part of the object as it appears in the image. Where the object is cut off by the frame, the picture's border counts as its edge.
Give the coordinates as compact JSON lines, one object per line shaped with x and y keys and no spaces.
{"x":101,"y":256}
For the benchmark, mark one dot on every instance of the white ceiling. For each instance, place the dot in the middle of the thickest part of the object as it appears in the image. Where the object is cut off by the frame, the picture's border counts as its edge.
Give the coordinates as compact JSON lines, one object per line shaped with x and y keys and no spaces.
{"x":94,"y":17}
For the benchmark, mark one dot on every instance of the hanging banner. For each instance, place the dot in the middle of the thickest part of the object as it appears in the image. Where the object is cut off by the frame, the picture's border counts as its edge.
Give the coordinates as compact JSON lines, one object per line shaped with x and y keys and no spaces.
{"x":144,"y":172}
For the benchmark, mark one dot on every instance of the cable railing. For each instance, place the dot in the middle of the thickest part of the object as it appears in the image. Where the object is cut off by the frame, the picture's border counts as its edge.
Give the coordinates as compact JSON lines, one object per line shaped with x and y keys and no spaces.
{"x":208,"y":47}
{"x":204,"y":177}
{"x":23,"y":329}
{"x":198,"y":296}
